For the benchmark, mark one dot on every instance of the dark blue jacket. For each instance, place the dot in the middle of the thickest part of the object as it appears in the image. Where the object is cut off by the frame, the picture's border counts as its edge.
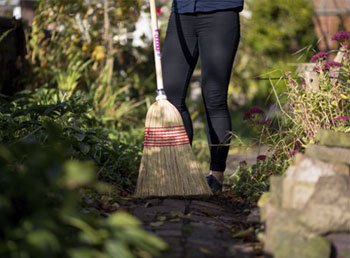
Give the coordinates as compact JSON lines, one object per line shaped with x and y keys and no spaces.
{"x":193,"y":6}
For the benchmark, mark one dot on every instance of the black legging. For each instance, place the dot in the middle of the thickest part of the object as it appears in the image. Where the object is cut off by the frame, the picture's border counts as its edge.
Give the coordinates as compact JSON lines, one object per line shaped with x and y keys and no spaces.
{"x":214,"y":37}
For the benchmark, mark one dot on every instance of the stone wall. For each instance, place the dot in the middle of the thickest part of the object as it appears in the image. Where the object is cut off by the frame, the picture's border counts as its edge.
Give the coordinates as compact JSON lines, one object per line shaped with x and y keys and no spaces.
{"x":307,"y":211}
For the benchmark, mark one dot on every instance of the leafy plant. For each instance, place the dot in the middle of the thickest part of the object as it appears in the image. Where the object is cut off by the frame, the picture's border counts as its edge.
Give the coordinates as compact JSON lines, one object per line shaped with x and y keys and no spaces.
{"x":41,"y":213}
{"x":300,"y":112}
{"x":274,"y":33}
{"x":87,"y":139}
{"x":249,"y":182}
{"x":87,"y":46}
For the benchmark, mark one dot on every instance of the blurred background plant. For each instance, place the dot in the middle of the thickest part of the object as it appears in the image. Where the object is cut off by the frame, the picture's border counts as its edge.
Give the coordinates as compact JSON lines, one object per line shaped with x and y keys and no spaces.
{"x":41,"y":212}
{"x":88,"y":47}
{"x":276,"y":36}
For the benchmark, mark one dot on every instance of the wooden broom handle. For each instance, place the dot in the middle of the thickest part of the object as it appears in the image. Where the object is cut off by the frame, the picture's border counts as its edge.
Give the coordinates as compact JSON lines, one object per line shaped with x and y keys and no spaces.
{"x":156,"y":45}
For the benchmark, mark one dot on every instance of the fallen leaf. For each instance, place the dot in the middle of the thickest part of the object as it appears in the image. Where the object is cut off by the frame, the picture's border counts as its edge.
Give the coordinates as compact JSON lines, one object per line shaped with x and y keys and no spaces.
{"x":243,"y":233}
{"x":157,"y":223}
{"x":161,"y":218}
{"x":204,"y":250}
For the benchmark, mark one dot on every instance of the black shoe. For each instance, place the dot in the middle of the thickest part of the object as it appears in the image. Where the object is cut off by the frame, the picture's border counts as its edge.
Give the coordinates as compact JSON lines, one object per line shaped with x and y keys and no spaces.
{"x":214,"y":184}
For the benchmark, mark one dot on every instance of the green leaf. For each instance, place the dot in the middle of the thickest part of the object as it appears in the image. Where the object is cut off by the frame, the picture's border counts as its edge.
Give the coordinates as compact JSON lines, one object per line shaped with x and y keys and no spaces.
{"x":123,"y":219}
{"x":86,"y":253}
{"x":157,"y":223}
{"x":88,"y":233}
{"x":80,"y":136}
{"x":145,"y":240}
{"x":118,"y":250}
{"x":5,"y":154}
{"x":84,"y":148}
{"x":78,"y":173}
{"x":43,"y":240}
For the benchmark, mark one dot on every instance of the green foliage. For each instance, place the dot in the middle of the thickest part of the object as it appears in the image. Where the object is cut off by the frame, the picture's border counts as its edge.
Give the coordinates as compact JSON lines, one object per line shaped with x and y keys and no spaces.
{"x":279,"y":26}
{"x":23,"y":120}
{"x":78,"y":46}
{"x":301,"y":111}
{"x":40,"y":206}
{"x":275,"y":30}
{"x":249,"y":182}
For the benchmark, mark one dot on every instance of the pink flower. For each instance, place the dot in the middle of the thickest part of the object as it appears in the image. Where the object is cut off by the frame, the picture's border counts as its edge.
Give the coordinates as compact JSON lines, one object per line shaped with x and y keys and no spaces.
{"x":317,"y":69}
{"x":330,"y":64}
{"x":340,"y":118}
{"x":319,"y":56}
{"x":261,"y":157}
{"x":252,"y":111}
{"x":293,"y":152}
{"x":159,"y":11}
{"x":341,"y":36}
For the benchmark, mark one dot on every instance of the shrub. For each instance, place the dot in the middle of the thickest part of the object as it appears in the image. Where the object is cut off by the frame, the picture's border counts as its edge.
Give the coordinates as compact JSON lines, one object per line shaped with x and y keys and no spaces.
{"x":23,"y":120}
{"x":301,"y":111}
{"x":40,"y":206}
{"x":249,"y":182}
{"x":87,"y":46}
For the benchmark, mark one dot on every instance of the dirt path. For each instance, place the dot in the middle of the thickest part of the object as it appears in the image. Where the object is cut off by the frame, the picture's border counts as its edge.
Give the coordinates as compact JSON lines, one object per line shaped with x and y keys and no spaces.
{"x":217,"y":227}
{"x":199,"y":228}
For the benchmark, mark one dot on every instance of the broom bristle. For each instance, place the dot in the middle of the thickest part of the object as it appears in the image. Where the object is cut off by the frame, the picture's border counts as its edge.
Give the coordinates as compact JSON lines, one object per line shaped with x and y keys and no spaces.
{"x":168,"y":166}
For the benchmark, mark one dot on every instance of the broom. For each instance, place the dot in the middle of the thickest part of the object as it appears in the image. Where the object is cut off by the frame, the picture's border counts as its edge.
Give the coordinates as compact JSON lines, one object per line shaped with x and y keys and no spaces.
{"x":168,"y":166}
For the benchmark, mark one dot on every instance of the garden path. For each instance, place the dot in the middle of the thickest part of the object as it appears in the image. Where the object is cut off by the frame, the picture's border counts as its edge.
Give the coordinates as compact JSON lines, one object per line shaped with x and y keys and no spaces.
{"x":220,"y":226}
{"x":217,"y":227}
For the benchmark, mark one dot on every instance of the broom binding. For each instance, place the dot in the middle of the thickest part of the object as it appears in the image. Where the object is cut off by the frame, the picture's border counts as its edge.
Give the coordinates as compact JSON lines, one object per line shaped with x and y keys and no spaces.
{"x":168,"y":166}
{"x":160,"y":94}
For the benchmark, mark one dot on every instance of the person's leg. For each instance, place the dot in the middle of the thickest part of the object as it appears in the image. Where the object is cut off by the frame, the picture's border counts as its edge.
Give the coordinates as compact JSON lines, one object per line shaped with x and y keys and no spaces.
{"x":219,"y":35}
{"x":179,"y":58}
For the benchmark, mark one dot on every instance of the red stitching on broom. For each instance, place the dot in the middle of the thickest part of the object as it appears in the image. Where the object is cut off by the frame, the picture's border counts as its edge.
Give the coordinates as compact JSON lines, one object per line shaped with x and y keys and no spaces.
{"x":164,"y":131}
{"x":174,"y":140}
{"x":169,"y":126}
{"x":165,"y":144}
{"x":165,"y":137}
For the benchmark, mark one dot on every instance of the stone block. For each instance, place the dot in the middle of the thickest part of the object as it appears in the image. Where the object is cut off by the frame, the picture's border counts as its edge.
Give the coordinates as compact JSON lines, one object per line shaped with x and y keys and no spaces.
{"x":309,"y":170}
{"x":291,"y":245}
{"x":328,"y":209}
{"x":268,"y":211}
{"x":276,"y":190}
{"x":329,"y":154}
{"x":298,"y":158}
{"x":285,"y":237}
{"x":341,"y":169}
{"x":278,"y":222}
{"x":316,"y":247}
{"x":296,"y":193}
{"x":264,"y":199}
{"x":337,"y":139}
